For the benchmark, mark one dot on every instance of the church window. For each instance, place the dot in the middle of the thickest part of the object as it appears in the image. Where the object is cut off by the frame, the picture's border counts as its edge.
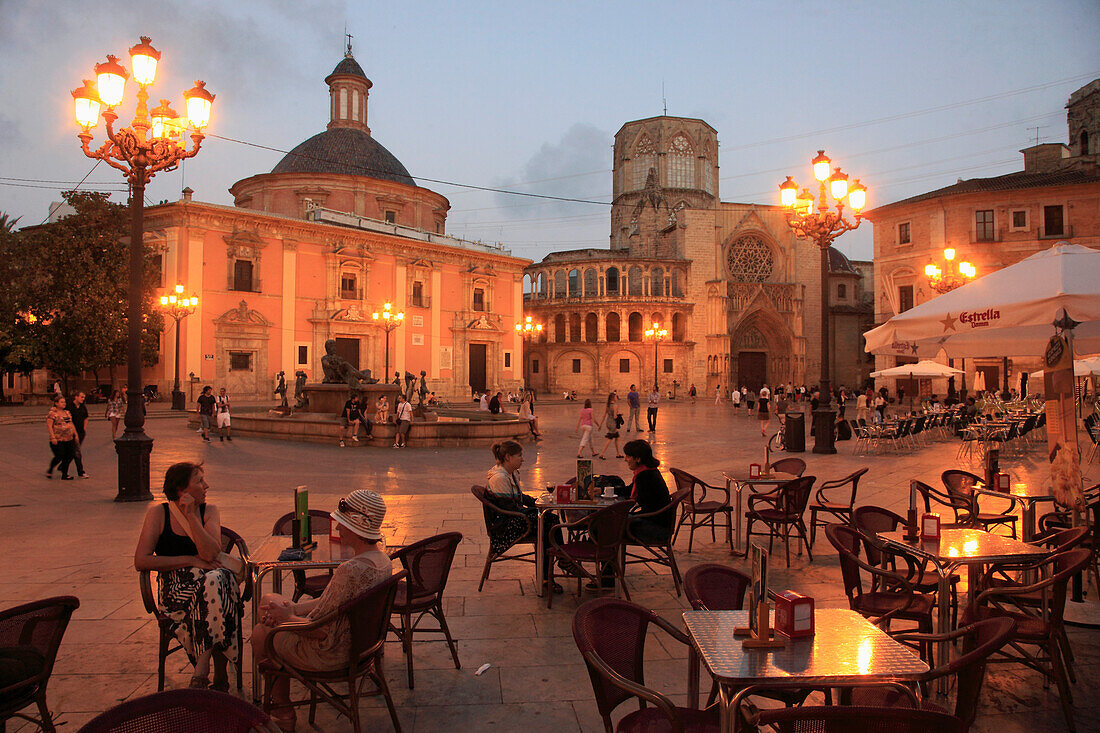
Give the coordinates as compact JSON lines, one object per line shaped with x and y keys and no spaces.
{"x":559,"y":284}
{"x":904,"y":236}
{"x":905,"y":298}
{"x":591,"y":287}
{"x":681,"y":163}
{"x":507,"y":357}
{"x":668,"y":366}
{"x":576,"y":366}
{"x":657,"y":282}
{"x":479,"y":299}
{"x":575,"y":327}
{"x":343,"y":104}
{"x":624,"y":366}
{"x":708,"y":182}
{"x":645,"y":157}
{"x":591,"y":328}
{"x":634,"y":327}
{"x":559,"y":328}
{"x":750,"y":259}
{"x":1084,"y":142}
{"x":574,"y":283}
{"x":348,"y":285}
{"x":842,"y":291}
{"x":983,"y":225}
{"x":355,"y":104}
{"x":418,"y":294}
{"x":612,"y":276}
{"x":611,"y":323}
{"x":391,"y":217}
{"x":534,"y":366}
{"x":242,"y":275}
{"x":303,"y":355}
{"x":634,"y":281}
{"x":678,"y":326}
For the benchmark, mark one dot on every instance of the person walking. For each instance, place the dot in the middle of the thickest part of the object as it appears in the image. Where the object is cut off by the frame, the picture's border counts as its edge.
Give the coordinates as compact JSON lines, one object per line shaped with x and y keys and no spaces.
{"x":651,"y":410}
{"x":692,"y":393}
{"x":221,"y":405}
{"x":116,"y":410}
{"x":612,"y":420}
{"x":749,"y":396}
{"x":585,"y":425}
{"x":861,"y":406}
{"x":735,"y":400}
{"x":634,"y":401}
{"x":59,"y":426}
{"x":717,"y":394}
{"x":78,"y":411}
{"x":207,"y":404}
{"x":403,"y":417}
{"x":763,"y":414}
{"x":351,"y":417}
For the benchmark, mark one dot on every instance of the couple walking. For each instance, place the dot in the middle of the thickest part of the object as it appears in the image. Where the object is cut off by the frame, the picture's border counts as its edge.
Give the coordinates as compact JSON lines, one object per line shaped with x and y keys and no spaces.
{"x":634,"y":401}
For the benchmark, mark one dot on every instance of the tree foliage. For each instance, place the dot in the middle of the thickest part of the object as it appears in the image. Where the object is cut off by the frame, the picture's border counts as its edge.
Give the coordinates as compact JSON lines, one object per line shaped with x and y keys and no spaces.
{"x":68,"y":283}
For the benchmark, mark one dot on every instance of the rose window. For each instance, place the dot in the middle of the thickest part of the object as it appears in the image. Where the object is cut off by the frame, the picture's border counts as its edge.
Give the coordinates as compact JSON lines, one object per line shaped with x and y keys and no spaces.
{"x":750,"y":260}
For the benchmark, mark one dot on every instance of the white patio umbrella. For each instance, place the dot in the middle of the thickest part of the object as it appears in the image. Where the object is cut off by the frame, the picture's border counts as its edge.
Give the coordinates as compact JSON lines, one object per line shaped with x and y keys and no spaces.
{"x":924,"y":369}
{"x":1081,"y":368}
{"x":1008,"y":312}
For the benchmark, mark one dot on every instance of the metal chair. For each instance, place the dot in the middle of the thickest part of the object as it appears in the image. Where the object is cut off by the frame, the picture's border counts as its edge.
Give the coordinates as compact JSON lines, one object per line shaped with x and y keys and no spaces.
{"x":694,"y":507}
{"x":231,"y":542}
{"x":715,"y":587}
{"x":30,"y":635}
{"x":783,"y":510}
{"x":840,"y":510}
{"x":496,"y":517}
{"x":791,"y":466}
{"x":603,"y":547}
{"x":305,"y":585}
{"x":979,"y":641}
{"x":959,"y":506}
{"x":428,"y":563}
{"x":368,"y":619}
{"x":659,"y":550}
{"x":181,"y":711}
{"x":961,"y":485}
{"x":1040,"y":627}
{"x":611,"y":636}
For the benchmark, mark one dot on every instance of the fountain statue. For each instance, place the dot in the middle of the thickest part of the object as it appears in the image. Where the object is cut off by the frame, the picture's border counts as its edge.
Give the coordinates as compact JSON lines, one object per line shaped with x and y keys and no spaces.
{"x":339,"y":370}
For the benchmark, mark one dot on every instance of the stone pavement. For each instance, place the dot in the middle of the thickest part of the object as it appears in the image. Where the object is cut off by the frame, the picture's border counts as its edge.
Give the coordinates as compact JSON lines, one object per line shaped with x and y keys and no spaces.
{"x":71,"y":538}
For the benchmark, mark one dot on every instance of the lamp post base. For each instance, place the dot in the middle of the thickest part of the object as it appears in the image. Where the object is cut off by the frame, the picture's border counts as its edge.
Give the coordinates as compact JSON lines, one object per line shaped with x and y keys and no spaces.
{"x":133,"y":466}
{"x":824,"y":422}
{"x":178,"y":402}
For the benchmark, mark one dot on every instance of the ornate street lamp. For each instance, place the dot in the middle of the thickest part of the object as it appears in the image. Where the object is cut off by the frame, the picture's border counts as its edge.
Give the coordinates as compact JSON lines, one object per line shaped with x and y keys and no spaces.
{"x":179,"y":306}
{"x":528,"y":330}
{"x":388,"y":320}
{"x":656,"y":334}
{"x":823,"y":224}
{"x":150,"y":144}
{"x":945,"y":279}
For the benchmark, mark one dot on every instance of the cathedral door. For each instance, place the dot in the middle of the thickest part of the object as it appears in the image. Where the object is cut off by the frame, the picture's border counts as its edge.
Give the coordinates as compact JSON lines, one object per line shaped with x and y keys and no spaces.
{"x":477,"y":367}
{"x":348,"y":349}
{"x":752,"y":369}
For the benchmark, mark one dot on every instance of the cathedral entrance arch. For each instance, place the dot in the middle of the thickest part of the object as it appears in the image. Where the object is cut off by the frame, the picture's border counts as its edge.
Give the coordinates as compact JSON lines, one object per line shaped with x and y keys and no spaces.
{"x":752,"y":369}
{"x":761,"y":351}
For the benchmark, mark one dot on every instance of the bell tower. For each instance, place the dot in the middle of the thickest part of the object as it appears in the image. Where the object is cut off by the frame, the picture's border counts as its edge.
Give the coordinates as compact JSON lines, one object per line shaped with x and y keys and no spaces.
{"x":348,"y":89}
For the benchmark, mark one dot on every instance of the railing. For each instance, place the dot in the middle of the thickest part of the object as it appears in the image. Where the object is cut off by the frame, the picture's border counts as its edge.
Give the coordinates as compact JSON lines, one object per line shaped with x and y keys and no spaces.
{"x":422,"y":301}
{"x":1063,"y":232}
{"x":588,"y":298}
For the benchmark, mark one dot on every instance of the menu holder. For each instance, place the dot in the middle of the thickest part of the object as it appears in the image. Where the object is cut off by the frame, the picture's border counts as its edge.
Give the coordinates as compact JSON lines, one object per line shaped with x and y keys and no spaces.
{"x":759,"y":631}
{"x":303,"y":534}
{"x":930,"y":527}
{"x":912,"y":528}
{"x":564,"y":493}
{"x":1004,"y":483}
{"x":754,"y":470}
{"x":794,"y":614}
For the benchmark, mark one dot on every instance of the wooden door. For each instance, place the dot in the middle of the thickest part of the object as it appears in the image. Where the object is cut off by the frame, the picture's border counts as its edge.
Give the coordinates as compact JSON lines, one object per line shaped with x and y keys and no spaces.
{"x":477,"y":367}
{"x":752,"y":370}
{"x":348,"y":348}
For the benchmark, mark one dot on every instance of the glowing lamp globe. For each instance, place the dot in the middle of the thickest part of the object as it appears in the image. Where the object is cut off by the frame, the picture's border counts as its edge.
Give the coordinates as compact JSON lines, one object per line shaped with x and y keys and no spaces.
{"x":143,"y":61}
{"x":857,"y":196}
{"x":949,"y":254}
{"x":198,"y":102}
{"x":164,"y":300}
{"x":164,"y":123}
{"x":86,"y":105}
{"x":194,"y":300}
{"x":805,"y":203}
{"x":110,"y":81}
{"x":822,"y":166}
{"x":788,"y":192}
{"x":838,"y":184}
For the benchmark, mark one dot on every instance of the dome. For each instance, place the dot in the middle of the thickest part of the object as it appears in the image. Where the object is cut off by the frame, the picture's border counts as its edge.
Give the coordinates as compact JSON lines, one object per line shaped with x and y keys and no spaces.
{"x":345,"y":151}
{"x":838,"y":262}
{"x":347,"y":65}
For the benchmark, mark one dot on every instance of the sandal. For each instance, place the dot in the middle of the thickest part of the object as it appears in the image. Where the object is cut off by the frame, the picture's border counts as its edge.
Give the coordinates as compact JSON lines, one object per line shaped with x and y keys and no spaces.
{"x":199,"y":682}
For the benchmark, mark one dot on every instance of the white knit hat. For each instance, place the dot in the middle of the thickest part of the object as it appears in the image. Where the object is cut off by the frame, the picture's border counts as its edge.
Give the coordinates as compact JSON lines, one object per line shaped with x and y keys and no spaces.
{"x":362,"y":512}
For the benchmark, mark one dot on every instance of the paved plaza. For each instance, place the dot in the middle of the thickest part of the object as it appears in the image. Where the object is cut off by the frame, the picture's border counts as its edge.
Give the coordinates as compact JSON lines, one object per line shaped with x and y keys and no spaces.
{"x":71,"y":538}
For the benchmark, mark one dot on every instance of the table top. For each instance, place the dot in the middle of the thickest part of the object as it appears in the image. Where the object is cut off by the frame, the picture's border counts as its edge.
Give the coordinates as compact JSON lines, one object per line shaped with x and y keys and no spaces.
{"x":962,"y":545}
{"x":845,"y":648}
{"x":546,"y":501}
{"x":1031,"y":492}
{"x":325,"y":554}
{"x":773,"y":478}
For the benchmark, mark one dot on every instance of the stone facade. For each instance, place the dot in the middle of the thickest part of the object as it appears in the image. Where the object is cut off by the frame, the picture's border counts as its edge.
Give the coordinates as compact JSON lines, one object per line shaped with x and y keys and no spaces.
{"x":991,"y":223}
{"x":736,"y":291}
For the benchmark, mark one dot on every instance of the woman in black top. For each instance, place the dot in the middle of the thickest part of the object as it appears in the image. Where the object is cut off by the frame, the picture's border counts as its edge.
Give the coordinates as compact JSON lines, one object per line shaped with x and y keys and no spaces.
{"x":649,"y":492}
{"x":181,"y":540}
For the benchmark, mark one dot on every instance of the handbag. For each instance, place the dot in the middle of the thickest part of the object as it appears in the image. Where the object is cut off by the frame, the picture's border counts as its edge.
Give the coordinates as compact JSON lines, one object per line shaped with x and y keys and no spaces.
{"x":231,"y":563}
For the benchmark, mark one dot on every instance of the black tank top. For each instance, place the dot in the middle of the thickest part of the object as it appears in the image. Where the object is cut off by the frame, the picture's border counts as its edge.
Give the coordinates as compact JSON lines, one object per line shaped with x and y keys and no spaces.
{"x":170,"y":544}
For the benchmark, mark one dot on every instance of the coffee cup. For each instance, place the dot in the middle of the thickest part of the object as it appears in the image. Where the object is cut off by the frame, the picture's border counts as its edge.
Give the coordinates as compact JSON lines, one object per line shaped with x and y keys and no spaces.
{"x":609,"y":492}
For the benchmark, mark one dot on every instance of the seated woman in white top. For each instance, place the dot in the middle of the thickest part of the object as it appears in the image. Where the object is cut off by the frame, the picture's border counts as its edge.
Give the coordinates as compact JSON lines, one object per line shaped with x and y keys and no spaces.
{"x":526,"y":412}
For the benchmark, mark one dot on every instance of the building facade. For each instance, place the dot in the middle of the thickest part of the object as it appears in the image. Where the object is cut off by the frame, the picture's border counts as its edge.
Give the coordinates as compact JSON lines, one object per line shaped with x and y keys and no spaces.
{"x":736,"y":292}
{"x":992,"y":223}
{"x":312,"y":249}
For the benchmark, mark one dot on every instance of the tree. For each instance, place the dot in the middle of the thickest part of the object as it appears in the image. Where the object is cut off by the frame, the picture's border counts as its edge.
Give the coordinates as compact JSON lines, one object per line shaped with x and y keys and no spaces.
{"x":72,"y":285}
{"x":15,"y":347}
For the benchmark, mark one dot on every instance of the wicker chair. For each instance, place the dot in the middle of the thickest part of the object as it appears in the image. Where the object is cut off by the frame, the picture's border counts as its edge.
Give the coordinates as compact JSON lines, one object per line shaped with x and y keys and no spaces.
{"x":231,"y":543}
{"x":428,"y":563}
{"x":979,"y":641}
{"x":959,"y":506}
{"x":305,"y":585}
{"x":182,"y":711}
{"x":842,"y":511}
{"x":1040,"y":627}
{"x":790,"y":466}
{"x":494,"y":514}
{"x":368,"y":617}
{"x":844,"y":719}
{"x":698,"y":511}
{"x":659,"y":552}
{"x":961,"y":485}
{"x":782,"y":510}
{"x":604,"y":546}
{"x":611,"y":636}
{"x":30,"y":635}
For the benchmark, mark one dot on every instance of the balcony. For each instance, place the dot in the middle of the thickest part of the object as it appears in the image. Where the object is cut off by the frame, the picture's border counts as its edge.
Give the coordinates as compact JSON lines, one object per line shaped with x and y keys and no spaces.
{"x":1063,"y":232}
{"x":419,"y":301}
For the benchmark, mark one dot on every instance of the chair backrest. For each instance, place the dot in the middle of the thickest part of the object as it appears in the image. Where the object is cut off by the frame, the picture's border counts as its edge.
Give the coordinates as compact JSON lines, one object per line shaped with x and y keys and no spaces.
{"x":613,"y":631}
{"x":870,"y":520}
{"x":980,"y":640}
{"x":852,"y":478}
{"x":180,"y":711}
{"x":793,"y":466}
{"x":369,"y":618}
{"x":715,"y":587}
{"x":233,"y":542}
{"x":1066,"y":539}
{"x":795,"y":495}
{"x":847,"y":542}
{"x":847,"y":718}
{"x":685,"y":480}
{"x":36,"y":627}
{"x":428,"y":562}
{"x":954,"y":502}
{"x":285,"y":523}
{"x":961,"y":483}
{"x":606,"y":526}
